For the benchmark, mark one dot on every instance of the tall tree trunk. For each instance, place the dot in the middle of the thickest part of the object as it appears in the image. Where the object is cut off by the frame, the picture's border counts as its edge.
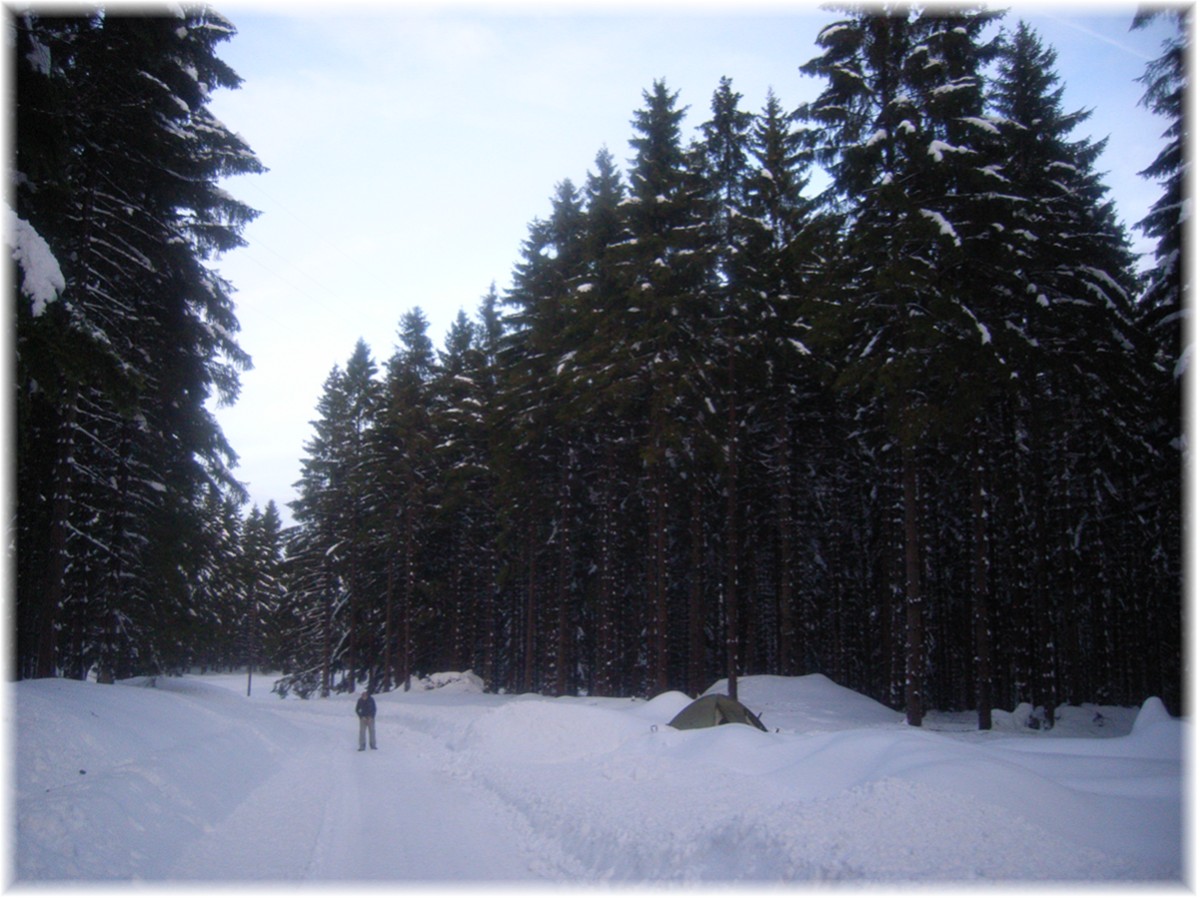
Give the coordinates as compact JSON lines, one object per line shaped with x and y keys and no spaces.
{"x":731,"y":535}
{"x":54,"y":590}
{"x":1040,"y":641}
{"x":389,"y":651}
{"x":114,"y":592}
{"x":352,"y":655}
{"x":696,"y":592}
{"x":328,"y":588}
{"x":658,"y":521}
{"x":605,"y":642}
{"x":491,"y":585}
{"x":251,"y":633}
{"x":563,"y":580}
{"x":982,"y":611}
{"x":410,"y":589}
{"x":783,"y":530}
{"x":530,"y":611}
{"x":914,"y":674}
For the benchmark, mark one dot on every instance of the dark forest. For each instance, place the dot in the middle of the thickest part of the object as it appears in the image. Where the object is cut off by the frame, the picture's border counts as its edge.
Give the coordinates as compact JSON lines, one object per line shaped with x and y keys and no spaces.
{"x":873,"y":388}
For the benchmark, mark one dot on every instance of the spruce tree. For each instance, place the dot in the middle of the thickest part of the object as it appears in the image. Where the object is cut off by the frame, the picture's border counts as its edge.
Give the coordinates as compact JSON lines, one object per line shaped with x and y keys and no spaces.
{"x":671,"y":319}
{"x":1162,"y":314}
{"x":604,"y":397}
{"x":260,"y":584}
{"x":329,"y":585}
{"x":895,"y":130}
{"x":785,"y":251}
{"x":540,"y":444}
{"x":114,"y":375}
{"x":406,"y":478}
{"x":724,"y":160}
{"x":1066,"y":338}
{"x":1165,"y":80}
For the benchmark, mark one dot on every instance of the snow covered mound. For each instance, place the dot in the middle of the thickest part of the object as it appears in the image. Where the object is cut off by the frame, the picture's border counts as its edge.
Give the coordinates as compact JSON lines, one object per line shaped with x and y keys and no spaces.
{"x":1152,"y":713}
{"x":463,"y":682}
{"x":187,"y":778}
{"x":808,"y":703}
{"x":114,"y":780}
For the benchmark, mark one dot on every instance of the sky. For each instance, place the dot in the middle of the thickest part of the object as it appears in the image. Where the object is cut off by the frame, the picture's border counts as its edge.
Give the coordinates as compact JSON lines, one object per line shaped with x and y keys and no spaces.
{"x":409,"y":146}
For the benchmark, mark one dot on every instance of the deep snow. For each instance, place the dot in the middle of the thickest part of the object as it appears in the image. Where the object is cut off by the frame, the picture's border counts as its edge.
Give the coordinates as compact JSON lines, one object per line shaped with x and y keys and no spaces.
{"x":187,"y":780}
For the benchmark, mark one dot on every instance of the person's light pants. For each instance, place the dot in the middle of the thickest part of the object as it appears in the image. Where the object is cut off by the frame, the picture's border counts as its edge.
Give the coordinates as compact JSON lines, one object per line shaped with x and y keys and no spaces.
{"x":365,"y":724}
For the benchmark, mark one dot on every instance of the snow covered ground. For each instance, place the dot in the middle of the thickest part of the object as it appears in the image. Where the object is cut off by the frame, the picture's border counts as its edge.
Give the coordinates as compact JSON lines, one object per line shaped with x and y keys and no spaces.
{"x":187,"y":780}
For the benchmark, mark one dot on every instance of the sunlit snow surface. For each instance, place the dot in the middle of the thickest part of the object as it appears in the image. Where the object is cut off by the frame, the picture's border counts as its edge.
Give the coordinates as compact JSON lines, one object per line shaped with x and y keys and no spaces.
{"x":191,"y":780}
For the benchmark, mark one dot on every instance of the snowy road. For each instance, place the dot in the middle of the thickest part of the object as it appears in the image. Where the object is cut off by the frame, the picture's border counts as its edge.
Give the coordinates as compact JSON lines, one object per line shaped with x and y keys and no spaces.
{"x":331,"y":813}
{"x":189,"y":781}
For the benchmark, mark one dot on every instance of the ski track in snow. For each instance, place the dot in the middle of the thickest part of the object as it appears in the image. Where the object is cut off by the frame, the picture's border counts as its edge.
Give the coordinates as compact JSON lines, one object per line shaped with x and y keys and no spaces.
{"x":187,"y":782}
{"x":333,"y":813}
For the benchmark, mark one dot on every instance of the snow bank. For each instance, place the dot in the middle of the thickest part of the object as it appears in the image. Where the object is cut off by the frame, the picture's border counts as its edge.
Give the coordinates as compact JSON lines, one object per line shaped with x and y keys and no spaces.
{"x":464,"y":682}
{"x":114,"y":780}
{"x":189,"y":779}
{"x":1152,"y":713}
{"x":811,"y":703}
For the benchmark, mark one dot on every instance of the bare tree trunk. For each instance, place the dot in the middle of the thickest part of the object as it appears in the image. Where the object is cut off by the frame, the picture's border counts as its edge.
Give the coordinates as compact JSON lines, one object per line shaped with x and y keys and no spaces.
{"x":731,"y":537}
{"x":410,"y":591}
{"x":659,"y":578}
{"x":606,"y":643}
{"x":326,"y":630}
{"x":696,"y":593}
{"x":563,"y":580}
{"x":352,"y":655}
{"x":530,"y":612}
{"x":783,"y":526}
{"x":53,"y":593}
{"x":389,"y":653}
{"x":983,"y":633}
{"x":914,"y":680}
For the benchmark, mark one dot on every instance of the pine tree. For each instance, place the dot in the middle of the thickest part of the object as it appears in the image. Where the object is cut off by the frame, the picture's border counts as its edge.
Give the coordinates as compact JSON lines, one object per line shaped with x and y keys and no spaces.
{"x":1067,"y":327}
{"x":671,"y":320}
{"x":329,"y":586}
{"x":406,"y":480}
{"x":1162,"y":313}
{"x":896,"y":126}
{"x":604,"y":397}
{"x":260,"y":568}
{"x":540,"y":446}
{"x":114,"y":375}
{"x":465,"y":517}
{"x":1166,"y":85}
{"x":786,"y":244}
{"x":723,"y":149}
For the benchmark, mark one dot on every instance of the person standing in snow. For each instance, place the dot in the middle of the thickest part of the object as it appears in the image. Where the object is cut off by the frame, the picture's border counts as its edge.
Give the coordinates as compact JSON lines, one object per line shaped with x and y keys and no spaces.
{"x":365,"y":707}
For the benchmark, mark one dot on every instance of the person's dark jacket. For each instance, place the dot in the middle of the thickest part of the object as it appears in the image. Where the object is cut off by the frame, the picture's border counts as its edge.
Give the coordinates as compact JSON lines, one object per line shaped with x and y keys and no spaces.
{"x":365,"y":707}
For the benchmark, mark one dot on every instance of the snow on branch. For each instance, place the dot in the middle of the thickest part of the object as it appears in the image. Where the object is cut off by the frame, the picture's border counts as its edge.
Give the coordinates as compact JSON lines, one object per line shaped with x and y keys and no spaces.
{"x":943,"y":225}
{"x":985,"y":334}
{"x":42,"y":278}
{"x":938,"y":149}
{"x":987,"y":125}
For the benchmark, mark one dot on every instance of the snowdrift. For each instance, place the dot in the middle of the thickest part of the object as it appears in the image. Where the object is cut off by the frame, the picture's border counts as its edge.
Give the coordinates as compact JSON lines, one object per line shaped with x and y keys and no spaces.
{"x":188,"y":779}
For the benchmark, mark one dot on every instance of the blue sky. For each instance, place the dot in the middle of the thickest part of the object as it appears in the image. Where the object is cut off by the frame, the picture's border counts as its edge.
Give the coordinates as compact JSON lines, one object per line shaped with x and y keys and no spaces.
{"x":409,"y":146}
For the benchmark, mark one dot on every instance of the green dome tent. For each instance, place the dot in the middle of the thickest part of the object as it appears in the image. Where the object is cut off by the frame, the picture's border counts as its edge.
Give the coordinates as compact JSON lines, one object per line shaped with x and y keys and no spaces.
{"x":714,"y":709}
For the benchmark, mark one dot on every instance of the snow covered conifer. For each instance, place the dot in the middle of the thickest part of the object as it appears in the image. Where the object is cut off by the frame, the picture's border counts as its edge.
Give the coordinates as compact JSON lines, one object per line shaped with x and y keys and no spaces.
{"x":1166,"y":85}
{"x":671,"y":312}
{"x":118,"y":160}
{"x":893,"y":127}
{"x":329,"y":572}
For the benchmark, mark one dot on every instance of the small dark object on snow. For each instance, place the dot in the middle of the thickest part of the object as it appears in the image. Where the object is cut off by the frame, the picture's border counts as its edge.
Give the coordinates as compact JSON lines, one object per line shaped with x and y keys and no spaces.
{"x":1038,"y":720}
{"x":83,"y":771}
{"x":715,"y":709}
